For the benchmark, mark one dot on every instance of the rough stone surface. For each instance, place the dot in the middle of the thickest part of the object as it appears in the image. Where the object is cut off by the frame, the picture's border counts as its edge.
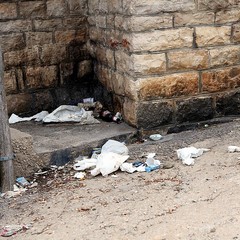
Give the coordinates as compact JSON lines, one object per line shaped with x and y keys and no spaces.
{"x":220,"y":80}
{"x":169,"y":86}
{"x":155,"y":113}
{"x":195,"y":109}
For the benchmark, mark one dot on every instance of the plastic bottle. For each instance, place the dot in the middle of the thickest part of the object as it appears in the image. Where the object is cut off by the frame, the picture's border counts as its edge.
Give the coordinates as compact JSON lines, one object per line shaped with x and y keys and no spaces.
{"x":106,"y":116}
{"x":151,"y":168}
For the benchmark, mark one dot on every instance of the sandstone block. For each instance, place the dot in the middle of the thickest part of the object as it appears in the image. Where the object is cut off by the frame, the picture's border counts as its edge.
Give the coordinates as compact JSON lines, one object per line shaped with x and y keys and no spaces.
{"x":154,"y":113}
{"x":149,"y":64}
{"x":66,"y":72}
{"x":81,"y":35}
{"x":118,"y":83}
{"x":194,"y":109}
{"x":228,"y":103}
{"x":74,"y":22}
{"x":64,"y":37}
{"x":93,"y":6}
{"x":28,"y":56}
{"x":104,"y":75}
{"x":221,"y":79}
{"x":236,"y":33}
{"x":228,"y":55}
{"x":77,"y":7}
{"x":216,"y":5}
{"x":114,"y":6}
{"x":84,"y":68}
{"x":103,"y":6}
{"x":48,"y":25}
{"x":10,"y":82}
{"x":162,"y":40}
{"x":53,"y":53}
{"x":190,"y":59}
{"x":124,"y":63}
{"x":38,"y":38}
{"x":144,"y":23}
{"x":40,"y":77}
{"x":19,"y":103}
{"x":8,"y":10}
{"x":12,"y":42}
{"x":56,"y":8}
{"x":182,"y":84}
{"x":228,"y":16}
{"x":213,"y":36}
{"x":44,"y":100}
{"x":191,"y":19}
{"x":32,"y":9}
{"x":101,"y":21}
{"x":156,"y":6}
{"x":15,"y":26}
{"x":130,"y":111}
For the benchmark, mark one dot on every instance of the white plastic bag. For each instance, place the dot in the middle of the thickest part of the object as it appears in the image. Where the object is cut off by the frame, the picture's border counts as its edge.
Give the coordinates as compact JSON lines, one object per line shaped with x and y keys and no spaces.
{"x":232,"y":149}
{"x":37,"y":117}
{"x":187,"y":154}
{"x":85,"y":164}
{"x":114,"y":147}
{"x":128,"y":167}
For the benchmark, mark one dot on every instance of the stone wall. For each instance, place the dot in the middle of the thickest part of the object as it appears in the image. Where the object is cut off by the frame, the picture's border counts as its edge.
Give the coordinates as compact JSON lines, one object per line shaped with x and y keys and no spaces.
{"x":168,"y":61}
{"x":44,"y":50}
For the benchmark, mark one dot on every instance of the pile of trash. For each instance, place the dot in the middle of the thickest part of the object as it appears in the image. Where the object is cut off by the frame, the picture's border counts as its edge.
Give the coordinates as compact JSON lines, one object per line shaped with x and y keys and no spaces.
{"x":84,"y":113}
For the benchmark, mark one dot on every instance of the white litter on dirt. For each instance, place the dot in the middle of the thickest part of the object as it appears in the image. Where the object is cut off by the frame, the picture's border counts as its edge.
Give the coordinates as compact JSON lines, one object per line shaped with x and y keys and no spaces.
{"x":188,"y":154}
{"x":232,"y":149}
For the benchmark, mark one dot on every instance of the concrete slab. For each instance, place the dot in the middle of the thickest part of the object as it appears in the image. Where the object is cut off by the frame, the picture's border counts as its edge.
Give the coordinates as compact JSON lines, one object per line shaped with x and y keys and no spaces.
{"x":60,"y":143}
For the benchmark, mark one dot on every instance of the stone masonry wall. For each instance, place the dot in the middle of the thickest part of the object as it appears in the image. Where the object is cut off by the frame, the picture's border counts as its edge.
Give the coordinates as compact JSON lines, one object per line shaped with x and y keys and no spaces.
{"x":44,"y":50}
{"x":168,"y":61}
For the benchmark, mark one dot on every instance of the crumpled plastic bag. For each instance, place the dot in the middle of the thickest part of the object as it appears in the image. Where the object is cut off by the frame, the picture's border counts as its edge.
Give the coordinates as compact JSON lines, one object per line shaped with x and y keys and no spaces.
{"x":68,"y":113}
{"x":128,"y":167}
{"x":151,"y":160}
{"x":108,"y":162}
{"x":232,"y":149}
{"x":37,"y":117}
{"x":187,"y":154}
{"x":85,"y":164}
{"x":114,"y":147}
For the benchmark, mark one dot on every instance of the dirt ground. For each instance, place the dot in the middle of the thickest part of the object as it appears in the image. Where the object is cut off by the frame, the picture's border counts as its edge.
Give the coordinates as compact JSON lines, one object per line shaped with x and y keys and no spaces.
{"x":184,"y":202}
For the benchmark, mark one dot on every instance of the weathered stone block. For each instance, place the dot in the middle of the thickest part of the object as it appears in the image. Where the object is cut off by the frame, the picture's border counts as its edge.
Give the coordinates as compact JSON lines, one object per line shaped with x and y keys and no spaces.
{"x":228,"y":16}
{"x":38,"y":38}
{"x":32,"y":9}
{"x":48,"y":25}
{"x":64,"y":37}
{"x":15,"y":26}
{"x":8,"y":10}
{"x":53,"y":53}
{"x":40,"y":77}
{"x":154,"y":113}
{"x":74,"y":22}
{"x":236,"y":33}
{"x":114,"y":6}
{"x":148,"y":64}
{"x":162,"y":40}
{"x":28,"y":56}
{"x":194,"y":109}
{"x":130,"y":111}
{"x":224,"y":56}
{"x":10,"y":82}
{"x":81,"y":35}
{"x":228,"y":103}
{"x":213,"y":36}
{"x":12,"y":42}
{"x":221,"y":79}
{"x":191,"y":19}
{"x":104,"y":75}
{"x":84,"y":68}
{"x":44,"y":100}
{"x":19,"y":103}
{"x":156,"y":6}
{"x":56,"y":8}
{"x":118,"y":83}
{"x":66,"y":72}
{"x":182,"y":84}
{"x":101,"y":21}
{"x":77,"y":7}
{"x":190,"y":59}
{"x":144,"y":23}
{"x":103,"y":6}
{"x":216,"y":5}
{"x":93,"y":6}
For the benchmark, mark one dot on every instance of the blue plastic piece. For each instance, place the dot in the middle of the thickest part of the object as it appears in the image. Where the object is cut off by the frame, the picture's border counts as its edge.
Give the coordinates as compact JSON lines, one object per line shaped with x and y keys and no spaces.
{"x":151,"y":168}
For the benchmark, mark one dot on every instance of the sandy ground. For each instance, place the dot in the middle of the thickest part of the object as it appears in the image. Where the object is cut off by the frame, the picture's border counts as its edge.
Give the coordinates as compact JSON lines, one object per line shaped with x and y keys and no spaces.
{"x":184,"y":202}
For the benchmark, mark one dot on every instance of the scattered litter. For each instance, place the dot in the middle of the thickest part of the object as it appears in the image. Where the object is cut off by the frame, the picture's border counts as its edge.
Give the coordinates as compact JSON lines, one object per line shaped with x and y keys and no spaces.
{"x":108,"y":162}
{"x":85,"y":164}
{"x":10,"y":230}
{"x":155,"y":137}
{"x":88,"y":100}
{"x":187,"y":154}
{"x":22,"y":181}
{"x":232,"y":149}
{"x":37,"y":117}
{"x":114,"y":147}
{"x":128,"y":167}
{"x":151,"y":161}
{"x":110,"y":117}
{"x":16,"y":192}
{"x":68,"y":113}
{"x":80,"y":175}
{"x":33,"y":185}
{"x":151,"y":168}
